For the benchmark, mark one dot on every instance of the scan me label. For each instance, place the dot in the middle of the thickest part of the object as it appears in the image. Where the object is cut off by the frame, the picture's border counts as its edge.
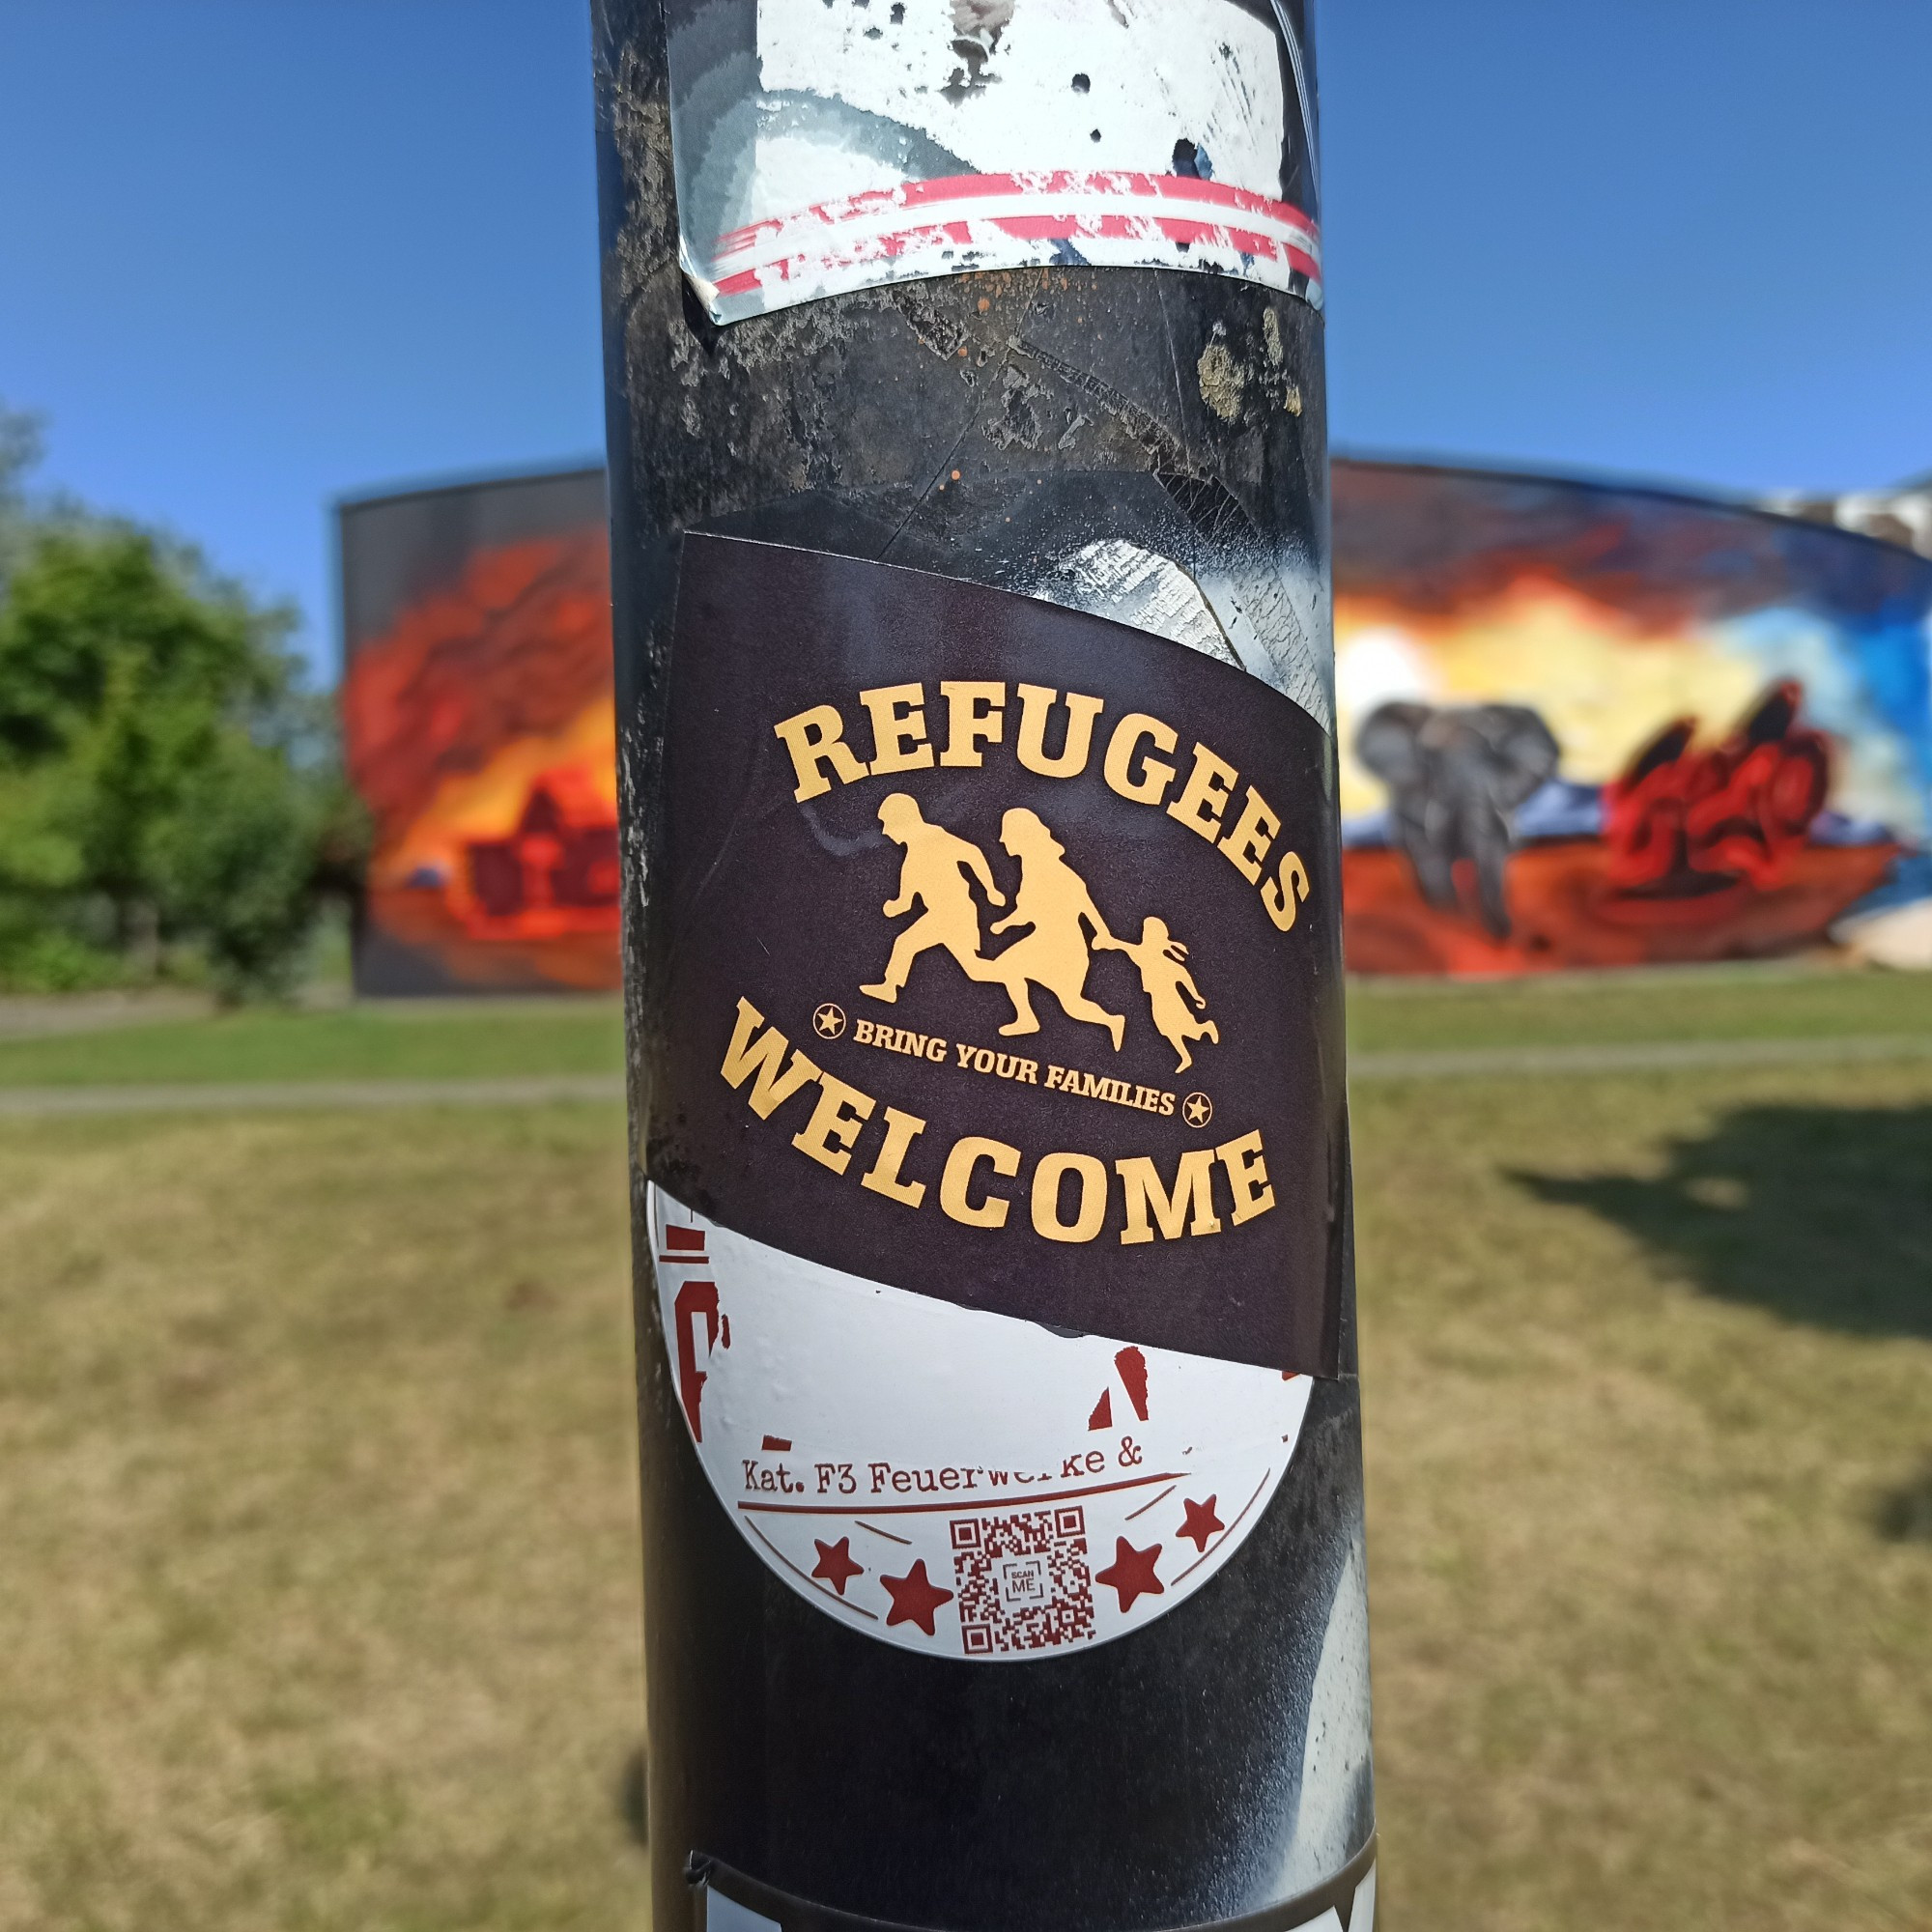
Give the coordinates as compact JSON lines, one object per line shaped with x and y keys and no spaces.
{"x":999,"y":958}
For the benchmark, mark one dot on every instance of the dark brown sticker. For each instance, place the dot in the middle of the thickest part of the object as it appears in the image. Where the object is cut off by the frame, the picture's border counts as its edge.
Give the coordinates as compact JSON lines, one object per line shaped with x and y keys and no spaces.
{"x":1001,"y":957}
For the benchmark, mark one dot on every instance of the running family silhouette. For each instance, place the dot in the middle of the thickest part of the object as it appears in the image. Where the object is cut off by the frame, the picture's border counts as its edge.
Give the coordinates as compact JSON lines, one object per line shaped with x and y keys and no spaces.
{"x":1052,"y":903}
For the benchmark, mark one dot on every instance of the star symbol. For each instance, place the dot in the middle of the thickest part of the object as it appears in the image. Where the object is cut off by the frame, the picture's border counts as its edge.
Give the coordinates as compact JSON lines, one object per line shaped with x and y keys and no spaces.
{"x":836,"y":1565}
{"x":1201,"y":1525}
{"x":914,"y":1597}
{"x":1131,"y":1573}
{"x":829,"y":1021}
{"x":1196,"y":1110}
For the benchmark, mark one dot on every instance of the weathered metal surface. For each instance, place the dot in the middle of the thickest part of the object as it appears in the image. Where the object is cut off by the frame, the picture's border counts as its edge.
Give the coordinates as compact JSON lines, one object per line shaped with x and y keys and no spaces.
{"x":1150,"y":447}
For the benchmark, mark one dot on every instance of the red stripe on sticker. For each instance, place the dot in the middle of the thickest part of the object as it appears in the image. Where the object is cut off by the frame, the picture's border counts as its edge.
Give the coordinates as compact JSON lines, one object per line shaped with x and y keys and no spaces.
{"x":1058,"y":184}
{"x":957,"y":214}
{"x":1037,"y":227}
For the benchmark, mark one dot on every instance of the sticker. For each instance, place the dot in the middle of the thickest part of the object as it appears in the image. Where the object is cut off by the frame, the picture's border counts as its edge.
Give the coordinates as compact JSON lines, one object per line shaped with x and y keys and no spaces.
{"x":961,"y":1484}
{"x":726,"y":1900}
{"x":822,"y":146}
{"x":999,"y":958}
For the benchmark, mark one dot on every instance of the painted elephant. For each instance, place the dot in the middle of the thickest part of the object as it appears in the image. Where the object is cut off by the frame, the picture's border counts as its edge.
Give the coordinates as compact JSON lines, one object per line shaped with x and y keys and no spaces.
{"x":1454,"y":777}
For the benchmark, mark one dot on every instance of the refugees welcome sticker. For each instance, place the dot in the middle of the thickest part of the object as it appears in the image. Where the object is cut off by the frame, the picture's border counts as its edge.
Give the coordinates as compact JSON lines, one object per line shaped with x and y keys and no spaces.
{"x":1001,"y":959}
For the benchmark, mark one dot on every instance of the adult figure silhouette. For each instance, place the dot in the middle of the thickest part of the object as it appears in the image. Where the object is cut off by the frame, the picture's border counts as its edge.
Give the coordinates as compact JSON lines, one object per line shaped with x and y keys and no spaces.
{"x":1052,"y":899}
{"x":937,"y":873}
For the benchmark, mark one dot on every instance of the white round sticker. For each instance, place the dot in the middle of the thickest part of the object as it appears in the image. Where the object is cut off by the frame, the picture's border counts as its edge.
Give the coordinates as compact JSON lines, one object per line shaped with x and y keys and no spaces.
{"x":959,"y":1483}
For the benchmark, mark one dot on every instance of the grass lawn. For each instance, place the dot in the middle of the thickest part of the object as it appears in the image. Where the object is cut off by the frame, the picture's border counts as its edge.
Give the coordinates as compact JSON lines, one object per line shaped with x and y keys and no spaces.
{"x":508,"y":1039}
{"x":321,"y":1600}
{"x":320,"y":1606}
{"x":442,"y":1040}
{"x":1746,"y":1002}
{"x":1648,"y":1376}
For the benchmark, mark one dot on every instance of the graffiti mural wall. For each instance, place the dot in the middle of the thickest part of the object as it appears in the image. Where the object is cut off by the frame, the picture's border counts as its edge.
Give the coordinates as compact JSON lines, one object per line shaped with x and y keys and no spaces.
{"x":1579,"y":725}
{"x":1584,"y":726}
{"x":479,"y":729}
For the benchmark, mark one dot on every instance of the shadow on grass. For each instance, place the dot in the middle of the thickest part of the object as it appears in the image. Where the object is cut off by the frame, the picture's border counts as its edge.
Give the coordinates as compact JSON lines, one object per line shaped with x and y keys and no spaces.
{"x":1904,"y":1515}
{"x":1821,"y":1214}
{"x":634,"y":1795}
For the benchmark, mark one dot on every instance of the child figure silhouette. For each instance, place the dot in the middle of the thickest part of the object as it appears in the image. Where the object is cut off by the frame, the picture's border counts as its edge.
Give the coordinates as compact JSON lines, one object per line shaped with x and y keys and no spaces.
{"x":1179,"y":1008}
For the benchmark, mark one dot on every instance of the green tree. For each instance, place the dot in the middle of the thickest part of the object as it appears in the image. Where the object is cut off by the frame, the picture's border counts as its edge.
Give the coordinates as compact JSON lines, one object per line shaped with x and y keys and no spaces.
{"x":234,"y":862}
{"x":165,"y":782}
{"x":19,"y":451}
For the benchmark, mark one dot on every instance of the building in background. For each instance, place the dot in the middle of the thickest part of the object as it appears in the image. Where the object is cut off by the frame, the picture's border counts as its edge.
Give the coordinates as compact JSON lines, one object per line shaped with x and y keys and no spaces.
{"x":478,"y":726}
{"x":1900,"y":516}
{"x":1579,"y":724}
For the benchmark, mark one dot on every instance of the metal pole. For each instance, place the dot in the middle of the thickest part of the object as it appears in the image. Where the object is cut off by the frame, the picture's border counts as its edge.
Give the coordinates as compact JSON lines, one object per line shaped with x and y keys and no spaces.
{"x":992,"y":1221}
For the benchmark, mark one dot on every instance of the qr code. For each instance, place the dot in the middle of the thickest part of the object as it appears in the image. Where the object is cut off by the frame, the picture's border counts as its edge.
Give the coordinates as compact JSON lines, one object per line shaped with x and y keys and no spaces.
{"x":1023,"y":1580}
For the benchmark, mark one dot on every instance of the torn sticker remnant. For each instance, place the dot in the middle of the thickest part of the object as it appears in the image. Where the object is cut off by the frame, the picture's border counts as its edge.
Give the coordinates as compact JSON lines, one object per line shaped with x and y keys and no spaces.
{"x":823,"y":146}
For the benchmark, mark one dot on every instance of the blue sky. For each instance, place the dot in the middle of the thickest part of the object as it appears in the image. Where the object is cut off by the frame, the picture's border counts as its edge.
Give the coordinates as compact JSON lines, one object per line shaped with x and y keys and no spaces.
{"x":258,"y":253}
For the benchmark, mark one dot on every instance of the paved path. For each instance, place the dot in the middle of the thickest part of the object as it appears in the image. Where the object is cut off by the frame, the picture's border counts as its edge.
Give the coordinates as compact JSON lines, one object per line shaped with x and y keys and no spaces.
{"x":305,"y":1095}
{"x":1440,"y":1064}
{"x":29,"y":1016}
{"x":1646,"y":1056}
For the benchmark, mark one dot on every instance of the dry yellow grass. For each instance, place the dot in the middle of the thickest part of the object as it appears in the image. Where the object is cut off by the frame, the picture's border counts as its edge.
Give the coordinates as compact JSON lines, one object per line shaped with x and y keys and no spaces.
{"x":319,"y":1600}
{"x":319,"y":1606}
{"x":1650,"y":1448}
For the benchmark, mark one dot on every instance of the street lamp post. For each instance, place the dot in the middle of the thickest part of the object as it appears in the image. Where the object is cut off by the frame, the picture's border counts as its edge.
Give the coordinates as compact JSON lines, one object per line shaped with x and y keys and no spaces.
{"x":992,"y":1220}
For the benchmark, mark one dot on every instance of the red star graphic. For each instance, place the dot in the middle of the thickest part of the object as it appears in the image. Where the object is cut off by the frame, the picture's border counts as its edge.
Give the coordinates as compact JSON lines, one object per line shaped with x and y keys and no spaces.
{"x":834,"y":1563}
{"x":1131,"y":1573}
{"x":914,"y":1597}
{"x":1201,"y":1525}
